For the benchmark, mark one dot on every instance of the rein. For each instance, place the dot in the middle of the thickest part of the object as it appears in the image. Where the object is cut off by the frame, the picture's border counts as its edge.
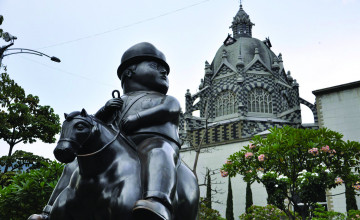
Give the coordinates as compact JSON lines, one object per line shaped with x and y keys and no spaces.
{"x":80,"y":145}
{"x":101,"y":149}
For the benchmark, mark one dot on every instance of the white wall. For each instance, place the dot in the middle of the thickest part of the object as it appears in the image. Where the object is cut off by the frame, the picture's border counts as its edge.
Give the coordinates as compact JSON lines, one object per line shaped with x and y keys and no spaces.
{"x":340,"y":111}
{"x":214,"y":158}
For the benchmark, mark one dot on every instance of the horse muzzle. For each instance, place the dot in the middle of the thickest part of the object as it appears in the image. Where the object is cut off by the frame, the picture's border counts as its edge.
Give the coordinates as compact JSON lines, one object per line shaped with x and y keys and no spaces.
{"x":65,"y":151}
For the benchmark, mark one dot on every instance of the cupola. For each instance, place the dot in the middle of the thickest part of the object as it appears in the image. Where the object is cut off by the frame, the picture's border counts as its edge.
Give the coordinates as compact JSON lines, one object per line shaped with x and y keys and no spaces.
{"x":241,"y":25}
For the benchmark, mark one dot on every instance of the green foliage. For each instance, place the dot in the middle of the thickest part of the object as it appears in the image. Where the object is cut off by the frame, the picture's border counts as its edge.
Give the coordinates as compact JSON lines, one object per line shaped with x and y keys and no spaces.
{"x":320,"y":213}
{"x":303,"y":161}
{"x":20,"y":161}
{"x":229,"y":203}
{"x":249,"y":199}
{"x":29,"y":192}
{"x":208,"y":214}
{"x":353,"y":214}
{"x":22,"y":119}
{"x":269,"y":212}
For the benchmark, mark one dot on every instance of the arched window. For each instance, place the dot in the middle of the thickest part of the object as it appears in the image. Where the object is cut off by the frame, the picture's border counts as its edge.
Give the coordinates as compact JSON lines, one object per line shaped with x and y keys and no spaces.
{"x":225,"y":104}
{"x":259,"y":100}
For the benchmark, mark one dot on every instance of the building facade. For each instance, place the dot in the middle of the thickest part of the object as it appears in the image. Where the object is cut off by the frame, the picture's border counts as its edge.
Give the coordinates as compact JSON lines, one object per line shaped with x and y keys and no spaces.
{"x":245,"y":91}
{"x":338,"y":109}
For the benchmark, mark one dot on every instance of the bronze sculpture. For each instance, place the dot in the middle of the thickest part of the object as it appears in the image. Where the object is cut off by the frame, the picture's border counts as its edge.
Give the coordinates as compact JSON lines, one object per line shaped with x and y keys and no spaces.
{"x":128,"y":153}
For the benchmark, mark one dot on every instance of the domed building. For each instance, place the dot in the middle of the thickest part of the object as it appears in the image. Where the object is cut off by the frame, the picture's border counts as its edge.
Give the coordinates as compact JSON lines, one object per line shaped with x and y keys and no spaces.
{"x":245,"y":91}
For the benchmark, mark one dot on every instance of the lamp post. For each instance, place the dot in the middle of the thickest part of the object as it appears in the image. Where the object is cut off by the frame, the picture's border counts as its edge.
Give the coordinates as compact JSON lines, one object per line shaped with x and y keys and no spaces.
{"x":8,"y":37}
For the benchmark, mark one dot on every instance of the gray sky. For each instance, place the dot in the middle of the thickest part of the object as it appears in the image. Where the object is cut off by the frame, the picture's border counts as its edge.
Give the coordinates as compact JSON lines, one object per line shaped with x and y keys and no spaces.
{"x":319,"y":41}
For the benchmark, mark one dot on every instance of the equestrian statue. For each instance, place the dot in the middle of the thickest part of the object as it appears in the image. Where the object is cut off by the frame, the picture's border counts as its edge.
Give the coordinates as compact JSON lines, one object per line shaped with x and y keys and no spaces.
{"x":123,"y":162}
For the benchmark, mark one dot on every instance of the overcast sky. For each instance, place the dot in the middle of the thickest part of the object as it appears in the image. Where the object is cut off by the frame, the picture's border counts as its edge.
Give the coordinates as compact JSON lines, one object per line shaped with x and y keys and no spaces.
{"x":319,"y":41}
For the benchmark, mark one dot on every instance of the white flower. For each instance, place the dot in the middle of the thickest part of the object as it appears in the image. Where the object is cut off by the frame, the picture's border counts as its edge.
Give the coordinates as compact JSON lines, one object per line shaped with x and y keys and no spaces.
{"x":327,"y":171}
{"x":302,"y":172}
{"x":281,"y":177}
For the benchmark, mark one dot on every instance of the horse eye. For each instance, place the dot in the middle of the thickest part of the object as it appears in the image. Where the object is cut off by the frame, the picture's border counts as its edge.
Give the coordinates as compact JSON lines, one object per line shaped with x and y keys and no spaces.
{"x":80,"y":126}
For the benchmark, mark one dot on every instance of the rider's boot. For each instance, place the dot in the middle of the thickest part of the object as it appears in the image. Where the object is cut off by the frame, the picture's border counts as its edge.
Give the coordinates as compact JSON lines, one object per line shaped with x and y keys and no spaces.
{"x":151,"y":209}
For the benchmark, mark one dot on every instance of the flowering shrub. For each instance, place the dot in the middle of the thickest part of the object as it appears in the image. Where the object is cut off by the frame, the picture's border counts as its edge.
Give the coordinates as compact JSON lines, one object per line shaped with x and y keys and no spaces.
{"x":357,"y":186}
{"x":353,"y":214}
{"x":252,"y":146}
{"x":304,"y":160}
{"x":224,"y":173}
{"x":314,"y":151}
{"x":261,"y":157}
{"x":325,"y":148}
{"x":269,"y":212}
{"x":339,"y":181}
{"x":248,"y":155}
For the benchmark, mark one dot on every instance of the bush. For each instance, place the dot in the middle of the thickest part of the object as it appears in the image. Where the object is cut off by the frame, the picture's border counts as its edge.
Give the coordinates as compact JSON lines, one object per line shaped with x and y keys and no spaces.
{"x":353,"y":214}
{"x":206,"y":213}
{"x":269,"y":212}
{"x":320,"y":213}
{"x":29,"y":192}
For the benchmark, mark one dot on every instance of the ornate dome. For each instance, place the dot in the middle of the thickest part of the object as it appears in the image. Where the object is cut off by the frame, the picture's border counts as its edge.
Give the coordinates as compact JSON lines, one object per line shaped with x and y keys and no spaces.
{"x":244,"y":46}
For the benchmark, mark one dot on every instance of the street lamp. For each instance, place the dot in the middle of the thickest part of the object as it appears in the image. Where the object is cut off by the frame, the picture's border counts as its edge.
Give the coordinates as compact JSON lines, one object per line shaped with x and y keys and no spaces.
{"x":8,"y":37}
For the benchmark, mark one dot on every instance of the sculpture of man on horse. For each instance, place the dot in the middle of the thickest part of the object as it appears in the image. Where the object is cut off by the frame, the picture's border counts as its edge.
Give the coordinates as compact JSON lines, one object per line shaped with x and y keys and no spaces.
{"x":144,"y":124}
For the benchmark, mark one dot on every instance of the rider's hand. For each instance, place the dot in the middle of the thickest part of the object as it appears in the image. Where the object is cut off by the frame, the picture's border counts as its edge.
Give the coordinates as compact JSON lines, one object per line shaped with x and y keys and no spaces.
{"x":114,"y":104}
{"x":129,"y":124}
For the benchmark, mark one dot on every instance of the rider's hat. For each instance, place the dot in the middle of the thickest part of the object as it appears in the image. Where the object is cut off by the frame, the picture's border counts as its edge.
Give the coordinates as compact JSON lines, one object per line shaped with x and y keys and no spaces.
{"x":140,"y":52}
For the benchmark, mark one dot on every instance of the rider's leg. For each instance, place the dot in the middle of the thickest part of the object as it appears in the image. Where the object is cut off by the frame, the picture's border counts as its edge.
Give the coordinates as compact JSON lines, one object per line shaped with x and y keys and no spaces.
{"x":159,"y":159}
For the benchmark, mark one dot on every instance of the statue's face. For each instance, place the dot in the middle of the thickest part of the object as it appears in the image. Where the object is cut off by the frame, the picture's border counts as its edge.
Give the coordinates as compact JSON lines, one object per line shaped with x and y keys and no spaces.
{"x":152,"y":75}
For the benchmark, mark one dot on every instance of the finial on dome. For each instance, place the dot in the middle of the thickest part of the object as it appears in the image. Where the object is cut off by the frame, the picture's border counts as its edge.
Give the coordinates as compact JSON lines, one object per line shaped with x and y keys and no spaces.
{"x":256,"y":50}
{"x":289,"y":76}
{"x":275,"y":66}
{"x":240,"y":62}
{"x":207,"y":65}
{"x":224,"y":54}
{"x":295,"y":84}
{"x":207,"y":68}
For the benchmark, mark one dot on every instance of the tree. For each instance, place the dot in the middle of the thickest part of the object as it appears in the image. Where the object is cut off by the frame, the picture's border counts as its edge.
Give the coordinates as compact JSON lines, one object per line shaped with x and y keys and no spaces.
{"x":229,"y":203}
{"x":249,"y":199}
{"x":1,"y":21}
{"x":20,"y":161}
{"x":29,"y":191}
{"x":208,"y":189}
{"x":297,"y":164}
{"x":22,"y":119}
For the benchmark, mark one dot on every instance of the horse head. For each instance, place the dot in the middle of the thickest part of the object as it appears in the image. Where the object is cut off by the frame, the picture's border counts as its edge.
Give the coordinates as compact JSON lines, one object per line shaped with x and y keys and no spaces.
{"x":79,"y":132}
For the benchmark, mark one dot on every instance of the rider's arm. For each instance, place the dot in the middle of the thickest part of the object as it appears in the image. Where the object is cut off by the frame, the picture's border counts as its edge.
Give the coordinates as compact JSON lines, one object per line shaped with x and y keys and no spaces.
{"x":107,"y":113}
{"x":167,"y":111}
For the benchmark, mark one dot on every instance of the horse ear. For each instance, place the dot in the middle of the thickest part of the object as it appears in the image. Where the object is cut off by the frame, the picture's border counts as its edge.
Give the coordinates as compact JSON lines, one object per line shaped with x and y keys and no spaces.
{"x":65,"y":115}
{"x":83,"y":113}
